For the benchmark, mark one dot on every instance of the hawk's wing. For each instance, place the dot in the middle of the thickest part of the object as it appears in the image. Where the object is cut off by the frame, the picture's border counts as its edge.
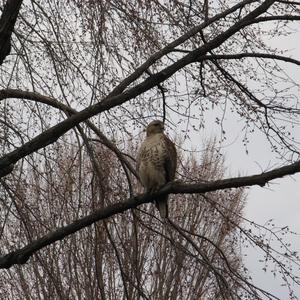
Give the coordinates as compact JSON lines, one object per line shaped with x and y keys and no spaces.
{"x":171,"y":159}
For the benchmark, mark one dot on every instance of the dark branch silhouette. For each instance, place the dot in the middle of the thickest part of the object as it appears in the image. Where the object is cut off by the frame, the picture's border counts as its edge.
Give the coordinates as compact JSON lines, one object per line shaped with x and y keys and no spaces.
{"x":118,"y":97}
{"x":22,"y":255}
{"x":7,"y":24}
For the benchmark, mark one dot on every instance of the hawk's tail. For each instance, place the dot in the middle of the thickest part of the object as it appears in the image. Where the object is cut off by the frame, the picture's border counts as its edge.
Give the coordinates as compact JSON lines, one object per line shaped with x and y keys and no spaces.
{"x":162,"y":205}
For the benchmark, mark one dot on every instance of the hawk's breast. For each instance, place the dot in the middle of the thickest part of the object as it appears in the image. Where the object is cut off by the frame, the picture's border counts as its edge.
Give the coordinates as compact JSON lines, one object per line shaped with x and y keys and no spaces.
{"x":151,"y":162}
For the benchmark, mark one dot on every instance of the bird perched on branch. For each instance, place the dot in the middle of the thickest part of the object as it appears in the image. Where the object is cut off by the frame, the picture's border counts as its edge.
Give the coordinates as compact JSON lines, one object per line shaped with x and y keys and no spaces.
{"x":156,"y":163}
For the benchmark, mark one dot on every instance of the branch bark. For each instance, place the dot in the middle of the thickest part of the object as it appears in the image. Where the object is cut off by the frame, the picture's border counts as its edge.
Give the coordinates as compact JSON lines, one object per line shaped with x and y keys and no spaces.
{"x":22,"y":255}
{"x":51,"y":135}
{"x":246,"y":55}
{"x":7,"y":24}
{"x":32,"y":96}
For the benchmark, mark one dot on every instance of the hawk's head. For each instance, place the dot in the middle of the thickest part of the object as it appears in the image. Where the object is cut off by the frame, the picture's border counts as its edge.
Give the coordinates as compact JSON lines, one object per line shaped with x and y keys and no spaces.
{"x":155,"y":127}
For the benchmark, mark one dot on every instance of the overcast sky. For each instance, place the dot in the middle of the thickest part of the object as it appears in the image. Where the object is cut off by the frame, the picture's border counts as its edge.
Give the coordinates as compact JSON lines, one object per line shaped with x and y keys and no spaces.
{"x":280,"y":200}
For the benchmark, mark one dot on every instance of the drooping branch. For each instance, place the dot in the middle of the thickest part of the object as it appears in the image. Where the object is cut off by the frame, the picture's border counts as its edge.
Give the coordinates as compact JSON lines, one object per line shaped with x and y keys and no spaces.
{"x":21,"y":256}
{"x":171,"y":46}
{"x":32,"y":96}
{"x":7,"y":24}
{"x":277,"y":18}
{"x":245,"y":55}
{"x":52,"y":134}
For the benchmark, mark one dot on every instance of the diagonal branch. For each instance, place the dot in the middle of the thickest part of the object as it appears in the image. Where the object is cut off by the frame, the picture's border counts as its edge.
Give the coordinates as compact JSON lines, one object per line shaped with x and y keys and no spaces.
{"x":33,"y":96}
{"x":52,"y":134}
{"x":22,"y":255}
{"x":171,"y":46}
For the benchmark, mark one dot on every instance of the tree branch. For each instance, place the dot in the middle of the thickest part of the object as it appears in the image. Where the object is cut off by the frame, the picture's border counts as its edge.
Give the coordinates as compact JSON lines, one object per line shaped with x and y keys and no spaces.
{"x":277,"y":18}
{"x":244,"y":55}
{"x":7,"y":24}
{"x":171,"y":46}
{"x":52,"y":134}
{"x":32,"y":96}
{"x":22,"y":255}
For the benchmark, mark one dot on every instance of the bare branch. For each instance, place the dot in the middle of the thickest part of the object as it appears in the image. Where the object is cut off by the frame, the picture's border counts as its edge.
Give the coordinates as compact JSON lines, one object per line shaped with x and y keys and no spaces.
{"x":7,"y":24}
{"x":289,"y":2}
{"x":52,"y":134}
{"x":158,"y":55}
{"x":277,"y":18}
{"x":13,"y":93}
{"x":22,"y":255}
{"x":244,"y":55}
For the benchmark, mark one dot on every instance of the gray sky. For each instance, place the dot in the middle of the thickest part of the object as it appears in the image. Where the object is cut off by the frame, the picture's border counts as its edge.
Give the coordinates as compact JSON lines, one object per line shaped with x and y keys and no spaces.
{"x":280,"y":200}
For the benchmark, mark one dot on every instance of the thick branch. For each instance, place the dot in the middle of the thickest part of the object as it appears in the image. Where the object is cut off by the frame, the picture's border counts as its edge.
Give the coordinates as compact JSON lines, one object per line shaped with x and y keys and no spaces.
{"x":7,"y":24}
{"x":171,"y":46}
{"x":32,"y":96}
{"x":51,"y":135}
{"x":277,"y":18}
{"x":22,"y":255}
{"x":244,"y":55}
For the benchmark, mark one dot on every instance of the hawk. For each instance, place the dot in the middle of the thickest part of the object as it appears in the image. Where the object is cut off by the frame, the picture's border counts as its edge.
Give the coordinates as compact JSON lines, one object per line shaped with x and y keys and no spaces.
{"x":156,"y":163}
